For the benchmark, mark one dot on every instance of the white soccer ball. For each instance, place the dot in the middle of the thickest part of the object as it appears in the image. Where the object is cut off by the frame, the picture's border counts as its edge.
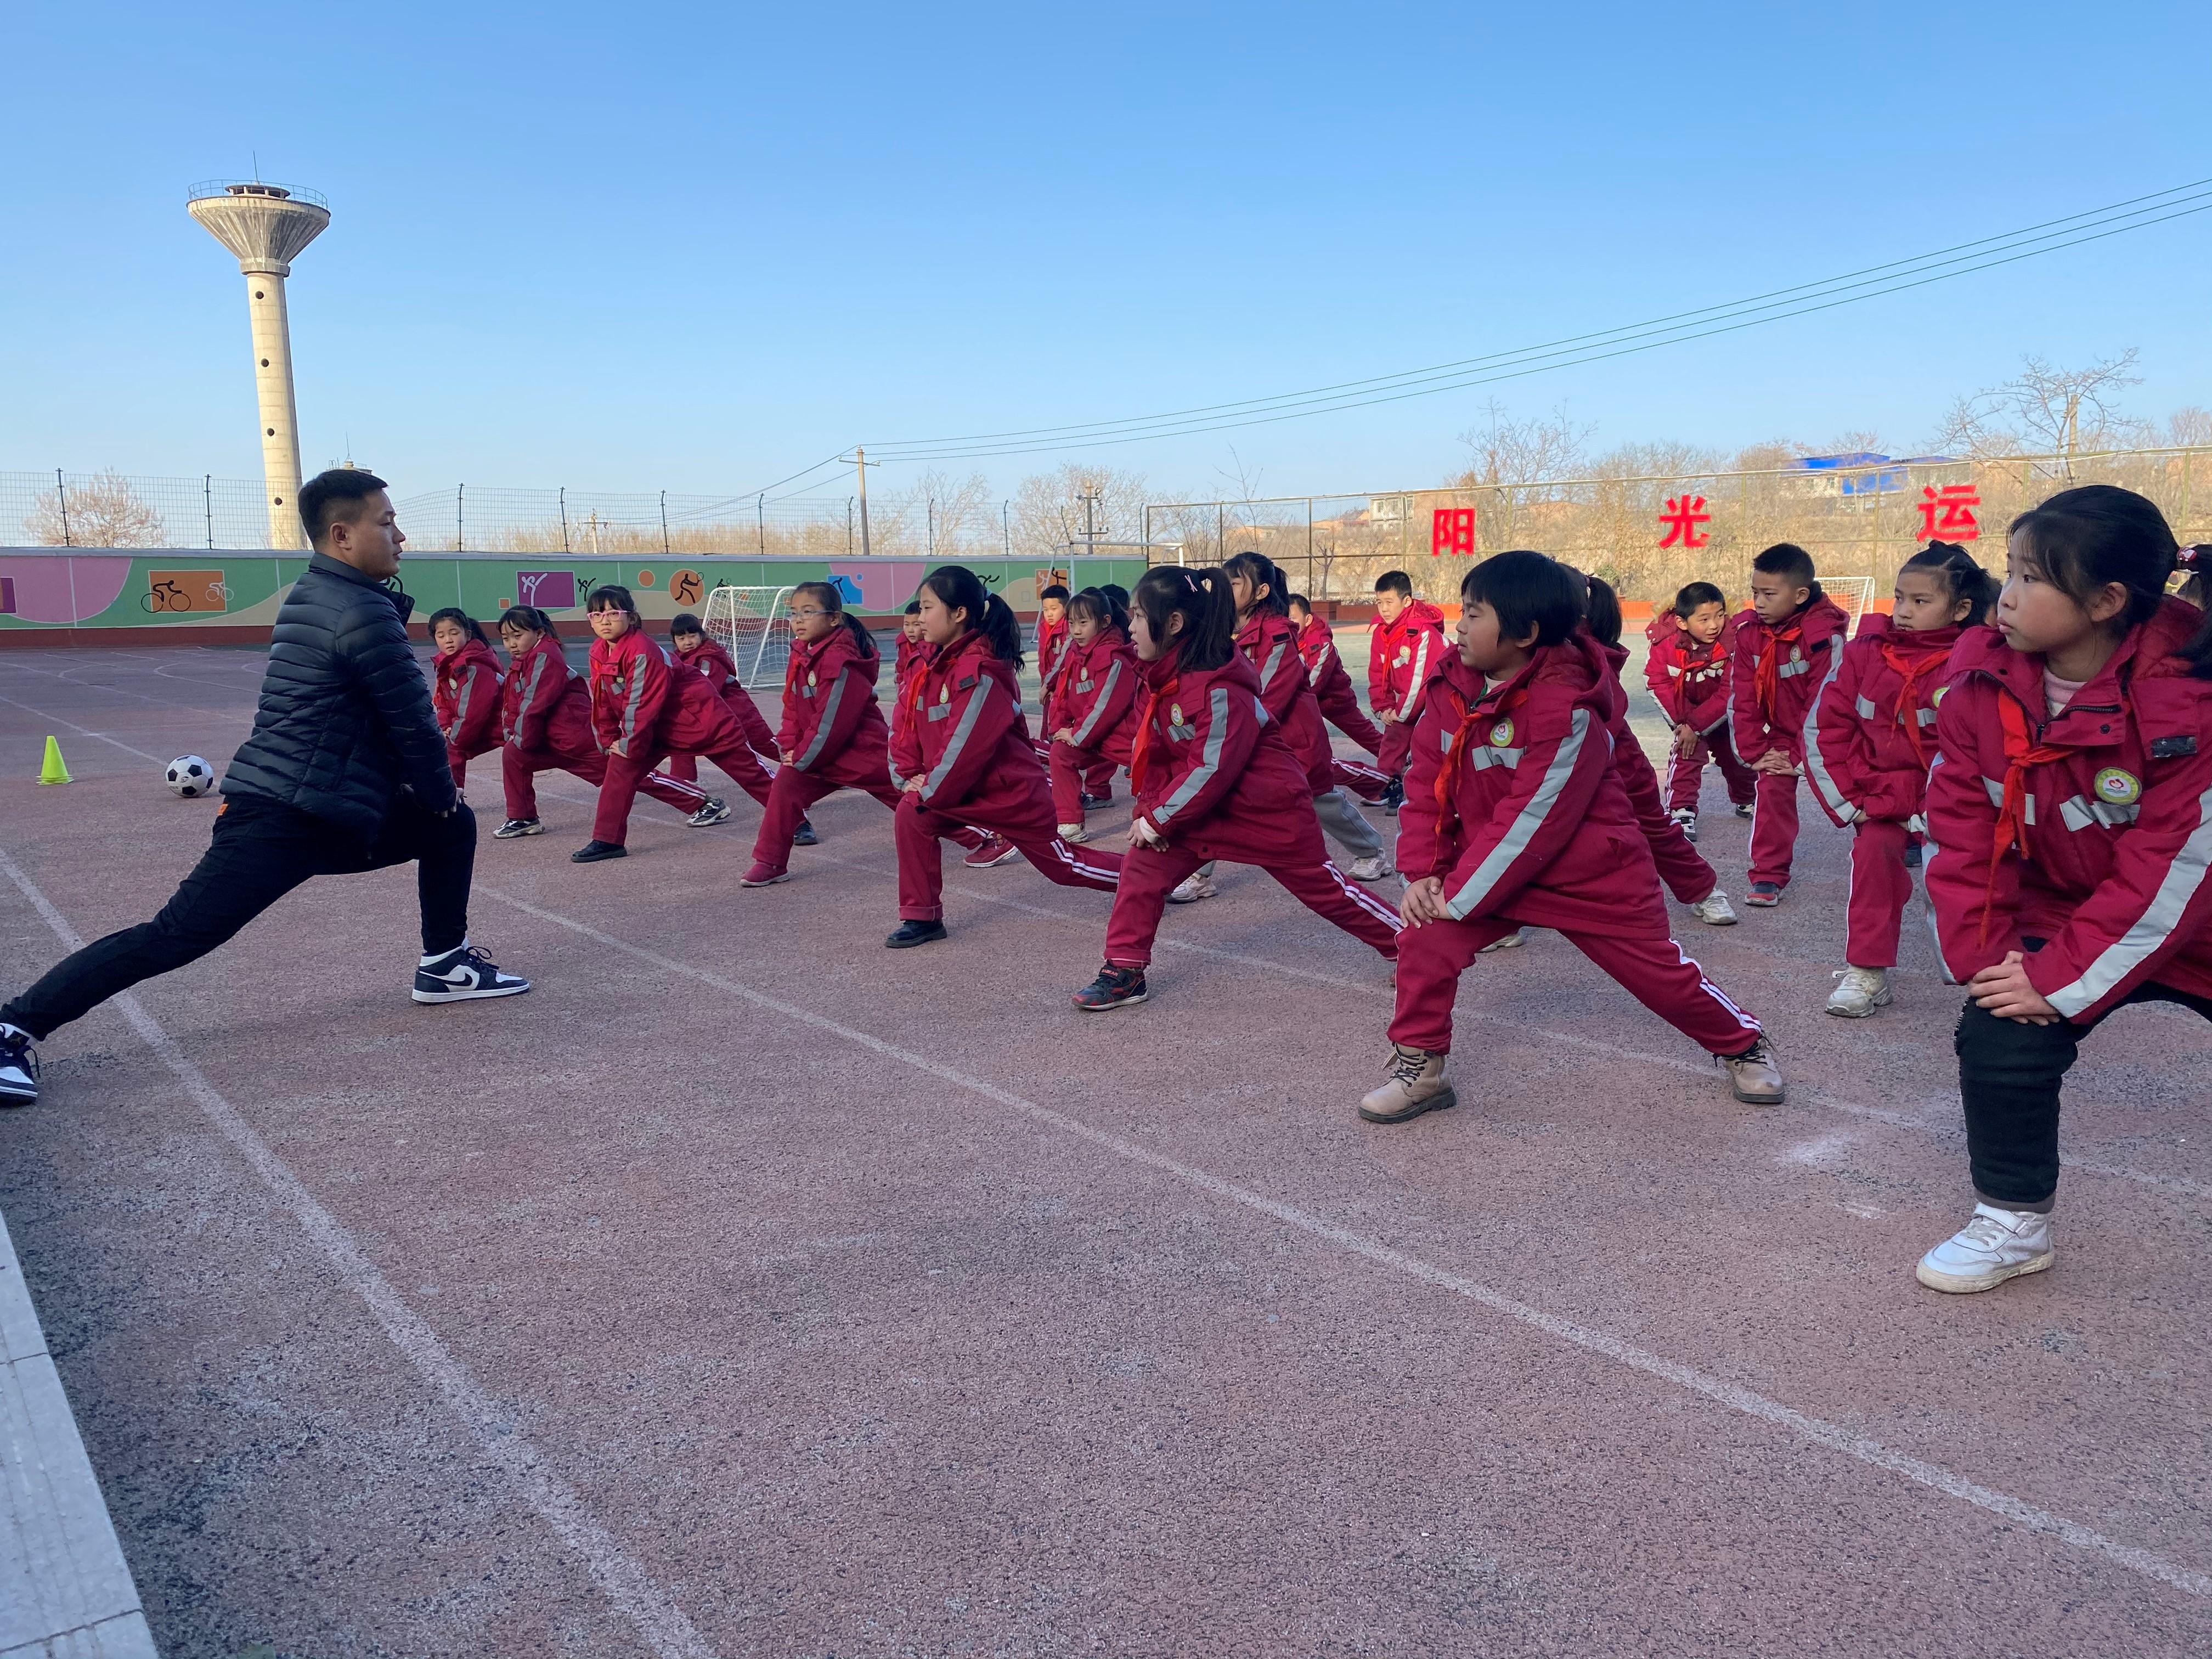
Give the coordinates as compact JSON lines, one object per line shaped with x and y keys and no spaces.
{"x":191,"y":776}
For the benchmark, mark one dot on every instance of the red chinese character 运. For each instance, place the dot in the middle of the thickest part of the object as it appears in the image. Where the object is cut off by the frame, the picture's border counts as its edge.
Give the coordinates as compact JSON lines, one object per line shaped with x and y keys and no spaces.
{"x":1949,"y":513}
{"x":1683,"y":515}
{"x":1451,"y":531}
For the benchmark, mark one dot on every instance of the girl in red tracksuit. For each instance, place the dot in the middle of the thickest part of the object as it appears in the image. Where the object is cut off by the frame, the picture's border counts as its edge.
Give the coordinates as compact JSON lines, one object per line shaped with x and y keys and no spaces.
{"x":1687,"y":671}
{"x":644,"y":707}
{"x":1874,"y":735}
{"x":2070,"y":842}
{"x":704,"y":655}
{"x":1331,"y":686}
{"x":1091,"y":710}
{"x":834,"y":736}
{"x":465,"y":687}
{"x":1406,"y":643}
{"x":1786,"y":646}
{"x":546,"y":722}
{"x":1213,"y":779}
{"x":1515,"y":816}
{"x":962,"y":753}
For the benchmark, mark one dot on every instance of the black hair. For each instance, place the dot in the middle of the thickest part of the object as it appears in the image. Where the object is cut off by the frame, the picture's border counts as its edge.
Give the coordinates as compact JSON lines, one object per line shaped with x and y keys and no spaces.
{"x":1203,"y":600}
{"x":1056,"y":590}
{"x":913,"y":608}
{"x":1260,"y":570}
{"x":1790,"y":560}
{"x":683,"y":622}
{"x":1530,"y":593}
{"x":1963,"y":578}
{"x":468,"y":625}
{"x":1601,"y":611}
{"x":1116,"y":592}
{"x":1396,"y":581}
{"x":1098,"y":605}
{"x":2194,"y":564}
{"x":612,"y":596}
{"x":1694,"y":594}
{"x":959,"y":588}
{"x":337,"y":495}
{"x":1298,"y":602}
{"x":529,"y":616}
{"x":831,"y":599}
{"x":2084,"y":538}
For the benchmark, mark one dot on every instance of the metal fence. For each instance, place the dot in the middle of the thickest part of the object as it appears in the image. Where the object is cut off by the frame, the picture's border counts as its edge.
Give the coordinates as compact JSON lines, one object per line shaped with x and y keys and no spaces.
{"x":1648,"y":536}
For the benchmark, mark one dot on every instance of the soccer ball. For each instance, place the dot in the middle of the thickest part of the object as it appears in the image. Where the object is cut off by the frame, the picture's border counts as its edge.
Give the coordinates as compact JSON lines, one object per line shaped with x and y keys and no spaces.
{"x":191,"y":776}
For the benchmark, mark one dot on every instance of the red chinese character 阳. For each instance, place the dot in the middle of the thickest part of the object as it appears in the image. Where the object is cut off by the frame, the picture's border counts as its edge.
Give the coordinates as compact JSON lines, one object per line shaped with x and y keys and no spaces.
{"x":1683,"y":515}
{"x":1948,"y":514}
{"x":1451,"y":531}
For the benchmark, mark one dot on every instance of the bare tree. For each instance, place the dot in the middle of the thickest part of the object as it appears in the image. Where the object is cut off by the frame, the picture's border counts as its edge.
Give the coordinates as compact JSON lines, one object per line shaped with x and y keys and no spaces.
{"x":101,"y":511}
{"x":1510,"y":452}
{"x":2047,"y":410}
{"x":937,"y":515}
{"x":1050,"y":507}
{"x":2190,"y":428}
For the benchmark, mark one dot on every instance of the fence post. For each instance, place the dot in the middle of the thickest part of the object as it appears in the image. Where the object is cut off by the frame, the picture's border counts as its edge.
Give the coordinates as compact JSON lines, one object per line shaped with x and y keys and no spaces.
{"x":564,"y":518}
{"x":760,"y":520}
{"x":1220,"y":531}
{"x":663,"y":524}
{"x":2185,"y":454}
{"x":849,"y":526}
{"x":1309,"y":581}
{"x":61,"y":494}
{"x":459,"y":490}
{"x":207,"y":501}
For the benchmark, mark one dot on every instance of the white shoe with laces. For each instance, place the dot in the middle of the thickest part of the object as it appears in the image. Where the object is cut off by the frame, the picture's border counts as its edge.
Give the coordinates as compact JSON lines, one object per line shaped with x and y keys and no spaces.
{"x":1373,"y":868}
{"x":1859,"y":992}
{"x":1996,"y":1244}
{"x":1073,"y":834}
{"x":1194,"y":887}
{"x":1512,"y":941}
{"x":1756,"y":1077}
{"x":1714,"y":910}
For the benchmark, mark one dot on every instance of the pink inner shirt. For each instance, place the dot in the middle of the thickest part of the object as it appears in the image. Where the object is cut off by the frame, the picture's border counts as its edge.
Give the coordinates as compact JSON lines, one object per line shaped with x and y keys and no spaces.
{"x":2057,"y":693}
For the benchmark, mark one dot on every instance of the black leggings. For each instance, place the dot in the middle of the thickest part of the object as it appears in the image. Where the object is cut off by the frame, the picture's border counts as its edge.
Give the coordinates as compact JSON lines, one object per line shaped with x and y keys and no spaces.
{"x":261,"y":851}
{"x":2008,"y":1077}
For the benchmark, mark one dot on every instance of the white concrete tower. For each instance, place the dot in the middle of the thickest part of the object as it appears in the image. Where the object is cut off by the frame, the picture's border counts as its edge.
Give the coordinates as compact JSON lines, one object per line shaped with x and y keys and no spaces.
{"x":265,"y":225}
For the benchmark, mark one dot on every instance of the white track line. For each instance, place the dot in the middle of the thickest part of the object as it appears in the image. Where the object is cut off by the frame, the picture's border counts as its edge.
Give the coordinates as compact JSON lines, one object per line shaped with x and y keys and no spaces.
{"x":56,"y":719}
{"x":625,"y":1583}
{"x":1820,"y":1431}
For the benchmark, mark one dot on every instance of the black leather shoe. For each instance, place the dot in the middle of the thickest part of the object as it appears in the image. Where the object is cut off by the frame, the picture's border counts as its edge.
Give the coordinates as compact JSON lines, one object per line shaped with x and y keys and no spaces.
{"x":592,"y":851}
{"x":911,"y":934}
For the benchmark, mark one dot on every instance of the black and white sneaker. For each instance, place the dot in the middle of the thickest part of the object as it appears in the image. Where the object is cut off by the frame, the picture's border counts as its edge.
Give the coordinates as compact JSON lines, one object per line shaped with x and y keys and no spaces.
{"x":463,"y":975}
{"x":716,"y":811}
{"x":1093,"y":803}
{"x":19,"y":1067}
{"x":805,"y":836}
{"x":515,"y":828}
{"x":1114,"y":987}
{"x":1393,"y":795}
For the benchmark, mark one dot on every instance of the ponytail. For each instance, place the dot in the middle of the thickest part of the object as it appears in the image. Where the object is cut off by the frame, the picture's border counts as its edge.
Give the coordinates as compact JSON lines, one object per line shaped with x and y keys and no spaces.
{"x":1962,"y":577}
{"x":959,"y":588}
{"x":529,"y":616}
{"x":468,"y":625}
{"x":1260,"y":570}
{"x":2195,"y":566}
{"x":1203,"y":599}
{"x":1101,"y":605}
{"x":1601,"y":611}
{"x":827,"y":595}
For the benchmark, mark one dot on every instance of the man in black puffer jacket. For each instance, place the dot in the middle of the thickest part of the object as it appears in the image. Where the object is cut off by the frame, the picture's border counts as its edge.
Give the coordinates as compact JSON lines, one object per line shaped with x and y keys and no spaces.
{"x":345,"y":771}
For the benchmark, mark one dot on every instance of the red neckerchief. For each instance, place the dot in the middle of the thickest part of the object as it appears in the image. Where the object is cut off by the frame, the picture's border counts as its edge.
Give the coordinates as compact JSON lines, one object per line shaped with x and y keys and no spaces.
{"x":2012,"y":811}
{"x":1766,"y":675}
{"x":1910,"y":667}
{"x":951,"y":649}
{"x":1140,"y":751}
{"x":1471,"y":715}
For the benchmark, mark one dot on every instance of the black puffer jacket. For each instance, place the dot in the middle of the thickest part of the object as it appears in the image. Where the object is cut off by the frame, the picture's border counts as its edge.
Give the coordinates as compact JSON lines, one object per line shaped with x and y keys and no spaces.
{"x":345,"y":720}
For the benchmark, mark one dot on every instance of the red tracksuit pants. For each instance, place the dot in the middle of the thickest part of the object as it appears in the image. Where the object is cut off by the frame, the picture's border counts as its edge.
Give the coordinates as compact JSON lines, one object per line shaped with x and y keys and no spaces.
{"x":1686,"y":773}
{"x":1076,"y":773}
{"x":458,"y":759}
{"x":1368,"y":782}
{"x":1149,"y":874}
{"x":1396,"y":747}
{"x":1020,"y":809}
{"x":518,"y":767}
{"x":1654,"y":970}
{"x":792,"y":793}
{"x":759,"y":737}
{"x":1880,"y":885}
{"x":1339,"y":706}
{"x":1773,"y":827}
{"x":626,"y":775}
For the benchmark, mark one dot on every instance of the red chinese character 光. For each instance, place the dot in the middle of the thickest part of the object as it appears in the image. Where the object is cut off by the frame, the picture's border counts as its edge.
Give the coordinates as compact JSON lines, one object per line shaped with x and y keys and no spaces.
{"x":1683,"y":515}
{"x":1451,"y":531}
{"x":1948,"y":514}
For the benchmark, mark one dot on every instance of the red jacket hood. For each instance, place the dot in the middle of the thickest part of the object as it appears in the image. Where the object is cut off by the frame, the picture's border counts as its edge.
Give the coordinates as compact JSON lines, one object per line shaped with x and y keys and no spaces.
{"x":473,"y":654}
{"x":971,"y":655}
{"x":1237,"y":671}
{"x":2149,"y":654}
{"x":1914,"y":641}
{"x":830,"y":656}
{"x":1580,"y":665}
{"x":709,"y":646}
{"x":1822,"y":619}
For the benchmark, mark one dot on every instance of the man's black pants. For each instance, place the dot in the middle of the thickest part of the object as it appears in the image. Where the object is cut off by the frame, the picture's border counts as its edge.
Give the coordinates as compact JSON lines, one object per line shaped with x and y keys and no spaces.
{"x":262,"y":850}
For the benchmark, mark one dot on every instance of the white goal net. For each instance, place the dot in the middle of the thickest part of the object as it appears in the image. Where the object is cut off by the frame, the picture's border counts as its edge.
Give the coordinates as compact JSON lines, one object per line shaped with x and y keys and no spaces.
{"x":750,"y":623}
{"x":1853,"y":594}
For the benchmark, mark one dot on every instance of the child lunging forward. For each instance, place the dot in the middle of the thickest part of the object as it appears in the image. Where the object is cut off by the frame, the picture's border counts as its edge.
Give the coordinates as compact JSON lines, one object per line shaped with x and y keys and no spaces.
{"x":1213,"y":779}
{"x":1873,"y":737}
{"x":1331,"y":686}
{"x":1515,"y":816}
{"x":464,"y":689}
{"x":1091,"y":710}
{"x":1687,"y":671}
{"x":1404,"y":645}
{"x":962,"y":753}
{"x":644,"y":707}
{"x":2069,"y":839}
{"x":1787,"y":645}
{"x":698,"y":650}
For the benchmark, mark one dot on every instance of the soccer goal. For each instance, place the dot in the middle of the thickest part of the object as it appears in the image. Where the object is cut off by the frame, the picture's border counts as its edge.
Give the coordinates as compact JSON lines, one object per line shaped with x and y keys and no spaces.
{"x":1853,"y":594}
{"x":750,"y":623}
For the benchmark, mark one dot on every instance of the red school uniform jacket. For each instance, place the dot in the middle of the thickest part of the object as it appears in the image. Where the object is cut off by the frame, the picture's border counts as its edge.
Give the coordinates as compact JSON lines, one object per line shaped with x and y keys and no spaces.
{"x":1775,"y":679}
{"x":1052,"y":643}
{"x":641,"y":700}
{"x":832,"y":728}
{"x":466,"y":694}
{"x":2090,"y":829}
{"x":1689,"y":681}
{"x":1211,"y":771}
{"x":711,"y":663}
{"x":1270,"y":644}
{"x":1637,"y":778}
{"x":1874,"y":731}
{"x":1402,"y":659}
{"x":1317,"y":649}
{"x":1512,"y":798}
{"x":961,"y":725}
{"x":1095,"y":698}
{"x":544,"y":703}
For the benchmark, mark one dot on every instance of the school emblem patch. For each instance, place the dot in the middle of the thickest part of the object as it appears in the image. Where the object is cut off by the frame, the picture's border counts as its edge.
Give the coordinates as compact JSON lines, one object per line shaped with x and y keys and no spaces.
{"x":810,"y":679}
{"x":1175,"y":713}
{"x":1501,"y":735}
{"x":1936,"y":701}
{"x":2118,"y":788}
{"x":1405,"y":655}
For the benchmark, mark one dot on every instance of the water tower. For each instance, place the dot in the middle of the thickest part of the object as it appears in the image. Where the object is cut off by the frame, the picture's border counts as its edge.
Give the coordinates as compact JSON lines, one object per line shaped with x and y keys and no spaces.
{"x":265,"y":225}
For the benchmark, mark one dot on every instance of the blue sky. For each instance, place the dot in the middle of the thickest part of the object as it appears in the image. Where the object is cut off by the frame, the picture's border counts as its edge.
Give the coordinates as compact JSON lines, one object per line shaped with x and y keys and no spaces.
{"x":697,"y":248}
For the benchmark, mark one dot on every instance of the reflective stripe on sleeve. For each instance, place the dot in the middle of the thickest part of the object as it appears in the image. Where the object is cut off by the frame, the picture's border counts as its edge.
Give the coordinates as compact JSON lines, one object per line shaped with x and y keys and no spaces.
{"x":960,"y":733}
{"x":1523,"y":828}
{"x":1209,"y":760}
{"x":1082,"y":737}
{"x":822,"y":732}
{"x":1816,"y":764}
{"x":2150,"y":930}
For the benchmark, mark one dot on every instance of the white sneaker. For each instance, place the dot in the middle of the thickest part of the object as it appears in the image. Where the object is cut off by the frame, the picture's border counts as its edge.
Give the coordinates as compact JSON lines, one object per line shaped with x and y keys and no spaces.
{"x":1994,"y":1245}
{"x":1192,"y":888}
{"x":1686,"y":821}
{"x":1511,"y":942}
{"x":1714,"y":910}
{"x":1073,"y":834}
{"x":1373,"y":868}
{"x":1859,"y":992}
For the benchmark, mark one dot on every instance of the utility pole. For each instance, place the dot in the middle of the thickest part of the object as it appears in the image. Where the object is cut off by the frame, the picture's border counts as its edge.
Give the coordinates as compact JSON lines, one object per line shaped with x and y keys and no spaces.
{"x":860,"y":460}
{"x":1090,"y":519}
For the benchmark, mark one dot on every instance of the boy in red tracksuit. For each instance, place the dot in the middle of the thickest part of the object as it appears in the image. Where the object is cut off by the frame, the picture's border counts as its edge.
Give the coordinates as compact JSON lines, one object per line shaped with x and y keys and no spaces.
{"x":1406,"y":642}
{"x":1091,"y":710}
{"x":1331,"y":686}
{"x":1515,"y":816}
{"x":911,"y":650}
{"x":643,"y":707}
{"x":1687,"y":670}
{"x":962,"y":755}
{"x":1214,"y":779}
{"x":2070,"y":846}
{"x":546,"y":722}
{"x":1874,"y":738}
{"x":705,"y":656}
{"x":465,"y":687}
{"x":833,"y":735}
{"x":1788,"y":646}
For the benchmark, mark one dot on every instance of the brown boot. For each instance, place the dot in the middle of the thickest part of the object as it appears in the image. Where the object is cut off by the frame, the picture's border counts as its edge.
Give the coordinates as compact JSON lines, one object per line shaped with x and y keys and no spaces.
{"x":1414,"y":1084}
